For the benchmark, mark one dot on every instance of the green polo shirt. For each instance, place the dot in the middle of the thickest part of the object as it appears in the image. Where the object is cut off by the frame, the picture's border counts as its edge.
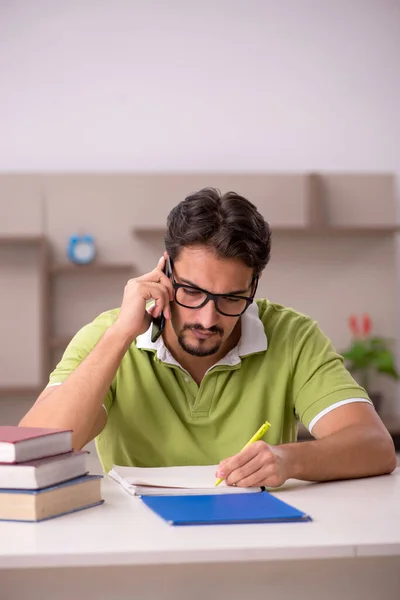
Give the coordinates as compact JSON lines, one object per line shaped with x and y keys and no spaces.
{"x":283,"y":370}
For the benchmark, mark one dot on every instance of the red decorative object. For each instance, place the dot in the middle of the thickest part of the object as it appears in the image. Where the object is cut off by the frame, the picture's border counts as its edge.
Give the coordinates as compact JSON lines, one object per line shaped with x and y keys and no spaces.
{"x":353,"y":324}
{"x":367,"y":353}
{"x":366,"y":325}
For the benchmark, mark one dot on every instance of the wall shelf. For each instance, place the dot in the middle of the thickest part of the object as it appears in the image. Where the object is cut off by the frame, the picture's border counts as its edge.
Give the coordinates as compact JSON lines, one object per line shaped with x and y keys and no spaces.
{"x":40,"y":243}
{"x":91,"y":269}
{"x":95,"y":269}
{"x":22,"y":239}
{"x":143,"y":229}
{"x":47,"y":273}
{"x":333,"y":231}
{"x":309,"y":230}
{"x":301,"y":205}
{"x":308,"y":204}
{"x":16,"y":391}
{"x":60,"y":342}
{"x":362,"y":230}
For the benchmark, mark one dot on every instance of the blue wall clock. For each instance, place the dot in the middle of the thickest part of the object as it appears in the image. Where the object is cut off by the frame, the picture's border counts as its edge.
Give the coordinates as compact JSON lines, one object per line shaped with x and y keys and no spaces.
{"x":81,"y":249}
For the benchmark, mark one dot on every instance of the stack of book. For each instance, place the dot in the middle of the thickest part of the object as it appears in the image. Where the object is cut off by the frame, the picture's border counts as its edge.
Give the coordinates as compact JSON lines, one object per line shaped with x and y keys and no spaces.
{"x":41,"y":477}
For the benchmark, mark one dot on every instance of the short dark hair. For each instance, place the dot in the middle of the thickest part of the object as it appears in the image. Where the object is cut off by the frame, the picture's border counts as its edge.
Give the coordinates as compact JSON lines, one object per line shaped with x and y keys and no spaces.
{"x":228,"y":223}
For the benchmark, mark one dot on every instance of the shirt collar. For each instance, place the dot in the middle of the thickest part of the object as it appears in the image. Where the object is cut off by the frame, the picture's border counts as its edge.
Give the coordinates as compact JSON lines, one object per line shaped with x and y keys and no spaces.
{"x":253,"y":339}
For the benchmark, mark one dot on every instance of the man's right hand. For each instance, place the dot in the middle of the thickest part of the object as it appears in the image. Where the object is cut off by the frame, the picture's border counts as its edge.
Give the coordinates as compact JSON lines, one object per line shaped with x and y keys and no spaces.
{"x":134,"y":319}
{"x":77,"y":403}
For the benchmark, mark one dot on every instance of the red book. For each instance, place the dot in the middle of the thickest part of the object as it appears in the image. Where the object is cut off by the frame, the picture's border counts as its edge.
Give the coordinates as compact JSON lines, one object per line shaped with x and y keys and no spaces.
{"x":19,"y":444}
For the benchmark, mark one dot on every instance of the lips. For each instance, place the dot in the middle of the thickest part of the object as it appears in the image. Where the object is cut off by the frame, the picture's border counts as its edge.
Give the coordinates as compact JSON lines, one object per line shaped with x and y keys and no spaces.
{"x":202,"y":335}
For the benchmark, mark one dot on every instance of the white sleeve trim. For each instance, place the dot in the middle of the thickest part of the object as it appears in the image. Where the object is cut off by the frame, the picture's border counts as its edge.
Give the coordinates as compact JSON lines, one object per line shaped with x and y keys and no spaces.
{"x":336,"y":405}
{"x":105,"y":408}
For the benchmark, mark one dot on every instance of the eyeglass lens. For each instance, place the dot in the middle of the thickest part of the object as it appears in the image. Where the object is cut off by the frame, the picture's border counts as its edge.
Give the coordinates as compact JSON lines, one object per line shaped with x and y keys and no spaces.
{"x":192,"y":298}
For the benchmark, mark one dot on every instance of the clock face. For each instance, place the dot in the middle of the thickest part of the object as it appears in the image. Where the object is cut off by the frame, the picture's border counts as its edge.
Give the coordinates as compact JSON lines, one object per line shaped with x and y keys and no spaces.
{"x":83,"y":251}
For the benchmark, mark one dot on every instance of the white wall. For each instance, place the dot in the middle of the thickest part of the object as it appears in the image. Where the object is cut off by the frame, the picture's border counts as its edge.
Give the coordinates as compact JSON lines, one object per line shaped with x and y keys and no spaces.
{"x":212,"y":84}
{"x":161,"y":85}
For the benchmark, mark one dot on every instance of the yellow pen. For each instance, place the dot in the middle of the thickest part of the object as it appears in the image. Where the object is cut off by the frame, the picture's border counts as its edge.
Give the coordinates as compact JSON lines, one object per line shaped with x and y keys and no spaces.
{"x":257,"y":436}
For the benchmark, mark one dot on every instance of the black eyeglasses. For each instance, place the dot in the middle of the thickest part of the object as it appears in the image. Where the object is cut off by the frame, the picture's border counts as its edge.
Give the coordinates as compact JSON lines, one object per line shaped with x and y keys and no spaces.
{"x":193,"y":297}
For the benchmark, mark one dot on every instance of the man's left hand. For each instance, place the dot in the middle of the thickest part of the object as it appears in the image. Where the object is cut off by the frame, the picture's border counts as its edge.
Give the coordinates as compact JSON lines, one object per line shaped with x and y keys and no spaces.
{"x":257,"y":465}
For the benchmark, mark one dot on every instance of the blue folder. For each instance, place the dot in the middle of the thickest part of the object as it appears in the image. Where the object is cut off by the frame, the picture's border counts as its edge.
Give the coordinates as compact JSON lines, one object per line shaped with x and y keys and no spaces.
{"x":218,"y":509}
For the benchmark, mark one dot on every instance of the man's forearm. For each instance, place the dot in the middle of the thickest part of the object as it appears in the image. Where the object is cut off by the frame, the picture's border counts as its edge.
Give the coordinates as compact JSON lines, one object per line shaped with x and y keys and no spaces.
{"x":76,"y":403}
{"x":355,"y":451}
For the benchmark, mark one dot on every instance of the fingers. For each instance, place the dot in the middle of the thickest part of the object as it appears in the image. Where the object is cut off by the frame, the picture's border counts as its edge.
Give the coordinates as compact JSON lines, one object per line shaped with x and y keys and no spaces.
{"x":166,"y":282}
{"x":232,"y":463}
{"x":158,"y":276}
{"x":160,"y":294}
{"x":161,"y":276}
{"x":247,"y":470}
{"x":245,"y":473}
{"x":161,"y":266}
{"x":154,"y":289}
{"x":158,"y":287}
{"x":151,"y":310}
{"x":254,"y":466}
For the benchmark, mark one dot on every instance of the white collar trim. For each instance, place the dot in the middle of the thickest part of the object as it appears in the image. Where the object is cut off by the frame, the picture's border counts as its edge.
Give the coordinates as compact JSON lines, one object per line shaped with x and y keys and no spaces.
{"x":252,"y":340}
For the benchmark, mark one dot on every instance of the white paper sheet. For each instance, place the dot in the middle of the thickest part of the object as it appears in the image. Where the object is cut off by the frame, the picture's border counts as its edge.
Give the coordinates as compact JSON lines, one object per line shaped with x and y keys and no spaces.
{"x":172,"y":480}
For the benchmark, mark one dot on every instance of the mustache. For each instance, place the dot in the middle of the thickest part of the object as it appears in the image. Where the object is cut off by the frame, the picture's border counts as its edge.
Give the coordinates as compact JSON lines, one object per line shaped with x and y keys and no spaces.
{"x":198,"y":327}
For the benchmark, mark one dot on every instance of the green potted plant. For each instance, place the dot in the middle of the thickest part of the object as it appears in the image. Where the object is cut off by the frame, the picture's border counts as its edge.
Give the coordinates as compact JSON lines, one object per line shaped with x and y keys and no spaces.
{"x":368,"y":353}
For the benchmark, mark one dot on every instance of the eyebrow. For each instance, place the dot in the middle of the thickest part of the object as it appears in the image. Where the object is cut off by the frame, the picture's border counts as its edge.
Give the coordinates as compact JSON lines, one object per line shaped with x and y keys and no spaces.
{"x":235,"y":293}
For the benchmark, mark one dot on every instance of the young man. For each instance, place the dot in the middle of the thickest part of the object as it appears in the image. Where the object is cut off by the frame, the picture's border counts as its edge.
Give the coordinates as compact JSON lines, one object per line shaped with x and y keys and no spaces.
{"x":223,"y":365}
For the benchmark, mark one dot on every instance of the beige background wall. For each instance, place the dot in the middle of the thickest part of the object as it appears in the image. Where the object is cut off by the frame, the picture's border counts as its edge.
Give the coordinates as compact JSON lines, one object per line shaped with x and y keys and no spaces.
{"x":216,"y":86}
{"x":326,"y":276}
{"x":19,"y":323}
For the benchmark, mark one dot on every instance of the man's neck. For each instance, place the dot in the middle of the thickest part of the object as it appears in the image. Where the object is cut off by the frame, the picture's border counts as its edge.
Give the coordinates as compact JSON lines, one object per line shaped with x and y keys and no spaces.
{"x":197,"y":366}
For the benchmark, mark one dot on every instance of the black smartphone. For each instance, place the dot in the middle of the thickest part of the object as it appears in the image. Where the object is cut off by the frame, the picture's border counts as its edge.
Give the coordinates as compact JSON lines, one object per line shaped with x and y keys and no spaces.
{"x":158,"y":323}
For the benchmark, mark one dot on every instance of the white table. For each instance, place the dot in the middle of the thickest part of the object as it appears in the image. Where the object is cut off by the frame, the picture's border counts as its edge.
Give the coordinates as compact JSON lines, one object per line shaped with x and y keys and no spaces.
{"x":122,"y":550}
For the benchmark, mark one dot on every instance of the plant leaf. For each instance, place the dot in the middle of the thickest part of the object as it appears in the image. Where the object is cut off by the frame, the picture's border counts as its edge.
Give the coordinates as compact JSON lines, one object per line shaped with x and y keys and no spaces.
{"x":358,"y":354}
{"x":384,"y":363}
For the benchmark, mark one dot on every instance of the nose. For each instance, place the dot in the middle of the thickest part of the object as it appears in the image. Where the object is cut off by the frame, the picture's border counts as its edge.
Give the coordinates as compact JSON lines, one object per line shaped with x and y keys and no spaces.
{"x":207,"y":316}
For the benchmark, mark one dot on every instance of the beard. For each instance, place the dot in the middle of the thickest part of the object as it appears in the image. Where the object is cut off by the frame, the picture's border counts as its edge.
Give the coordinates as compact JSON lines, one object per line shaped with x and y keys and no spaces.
{"x":199,"y":348}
